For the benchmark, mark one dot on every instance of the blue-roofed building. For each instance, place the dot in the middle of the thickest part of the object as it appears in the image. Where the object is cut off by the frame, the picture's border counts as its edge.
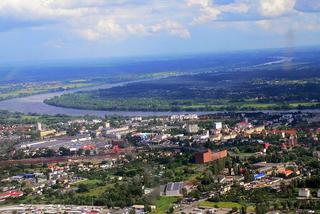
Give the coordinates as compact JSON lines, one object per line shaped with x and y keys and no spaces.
{"x":259,"y":176}
{"x":172,"y":189}
{"x":28,"y":176}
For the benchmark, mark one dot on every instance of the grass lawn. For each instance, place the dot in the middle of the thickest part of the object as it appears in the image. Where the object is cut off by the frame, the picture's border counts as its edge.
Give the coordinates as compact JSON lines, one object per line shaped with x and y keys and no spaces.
{"x":163,"y":204}
{"x":97,"y":191}
{"x":250,"y":208}
{"x":220,"y":204}
{"x":306,"y":104}
{"x":94,"y":189}
{"x":87,"y":182}
{"x":258,"y":105}
{"x":242,"y":154}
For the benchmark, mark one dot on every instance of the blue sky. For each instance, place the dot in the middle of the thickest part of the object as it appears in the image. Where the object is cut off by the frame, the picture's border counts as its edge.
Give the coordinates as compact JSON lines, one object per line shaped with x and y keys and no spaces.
{"x":65,"y":29}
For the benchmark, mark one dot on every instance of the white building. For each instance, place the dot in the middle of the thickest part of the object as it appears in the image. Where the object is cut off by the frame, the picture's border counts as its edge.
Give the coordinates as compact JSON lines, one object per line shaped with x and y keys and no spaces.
{"x":39,"y":126}
{"x":138,"y":118}
{"x":316,"y":154}
{"x":118,"y":131}
{"x":304,"y":192}
{"x":192,"y":128}
{"x":172,"y":189}
{"x":190,"y":117}
{"x":106,"y":125}
{"x":218,"y":125}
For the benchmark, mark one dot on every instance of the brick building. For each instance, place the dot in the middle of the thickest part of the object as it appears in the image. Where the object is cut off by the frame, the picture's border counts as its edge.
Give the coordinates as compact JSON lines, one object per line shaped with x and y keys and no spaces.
{"x":209,"y":156}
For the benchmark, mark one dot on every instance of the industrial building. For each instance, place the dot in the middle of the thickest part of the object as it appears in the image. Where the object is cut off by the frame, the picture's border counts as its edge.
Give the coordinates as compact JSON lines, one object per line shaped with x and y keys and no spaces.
{"x":172,"y":189}
{"x":209,"y":156}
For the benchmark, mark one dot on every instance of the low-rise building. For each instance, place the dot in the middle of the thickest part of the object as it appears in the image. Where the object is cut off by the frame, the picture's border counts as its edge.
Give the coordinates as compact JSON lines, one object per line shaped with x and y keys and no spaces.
{"x":172,"y":189}
{"x":209,"y":156}
{"x":304,"y":192}
{"x":192,"y":128}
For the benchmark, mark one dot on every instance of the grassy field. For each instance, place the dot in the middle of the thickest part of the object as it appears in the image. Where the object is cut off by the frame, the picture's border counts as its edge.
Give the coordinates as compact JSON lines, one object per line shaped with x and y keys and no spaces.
{"x":163,"y":204}
{"x":9,"y":91}
{"x":94,"y":188}
{"x":220,"y":204}
{"x":96,"y":191}
{"x":241,"y":155}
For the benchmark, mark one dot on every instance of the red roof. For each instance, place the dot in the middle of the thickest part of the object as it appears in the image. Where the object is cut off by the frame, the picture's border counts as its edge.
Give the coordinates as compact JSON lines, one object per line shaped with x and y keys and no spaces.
{"x":286,"y":172}
{"x":93,"y":212}
{"x":88,"y":147}
{"x":13,"y":194}
{"x":289,"y":131}
{"x":243,"y":124}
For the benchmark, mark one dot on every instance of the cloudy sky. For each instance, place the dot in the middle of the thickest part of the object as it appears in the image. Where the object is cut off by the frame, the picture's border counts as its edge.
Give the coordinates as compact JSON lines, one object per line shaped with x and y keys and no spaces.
{"x":44,"y":29}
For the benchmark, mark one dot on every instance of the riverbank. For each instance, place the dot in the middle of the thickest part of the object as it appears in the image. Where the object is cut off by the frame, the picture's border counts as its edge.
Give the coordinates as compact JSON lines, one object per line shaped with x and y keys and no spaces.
{"x":35,"y":104}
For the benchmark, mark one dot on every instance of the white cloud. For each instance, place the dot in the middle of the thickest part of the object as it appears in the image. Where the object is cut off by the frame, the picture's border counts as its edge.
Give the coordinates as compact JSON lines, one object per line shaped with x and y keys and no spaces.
{"x":139,"y":29}
{"x":211,"y":12}
{"x":109,"y":28}
{"x":207,"y":11}
{"x":285,"y":25}
{"x":172,"y":27}
{"x":241,"y":7}
{"x":100,"y":19}
{"x":38,"y":9}
{"x":208,"y":14}
{"x":202,"y":3}
{"x":101,"y":29}
{"x":273,"y":8}
{"x":89,"y":34}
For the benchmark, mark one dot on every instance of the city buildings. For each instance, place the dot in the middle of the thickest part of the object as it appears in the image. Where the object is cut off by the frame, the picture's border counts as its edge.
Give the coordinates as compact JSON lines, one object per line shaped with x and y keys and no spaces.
{"x":304,"y":192}
{"x":172,"y":189}
{"x":192,"y":128}
{"x":209,"y":156}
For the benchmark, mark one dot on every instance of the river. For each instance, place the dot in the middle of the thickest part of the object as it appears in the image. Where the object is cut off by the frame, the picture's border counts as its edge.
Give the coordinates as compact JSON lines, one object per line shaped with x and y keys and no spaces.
{"x":35,"y":104}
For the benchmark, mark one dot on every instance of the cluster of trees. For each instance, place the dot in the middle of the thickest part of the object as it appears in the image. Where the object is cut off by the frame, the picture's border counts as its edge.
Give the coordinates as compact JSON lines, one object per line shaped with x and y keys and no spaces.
{"x":62,"y":151}
{"x":197,"y":93}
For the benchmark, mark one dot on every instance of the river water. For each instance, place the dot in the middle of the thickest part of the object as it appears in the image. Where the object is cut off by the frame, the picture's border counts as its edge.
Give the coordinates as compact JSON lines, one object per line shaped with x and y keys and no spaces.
{"x":35,"y":104}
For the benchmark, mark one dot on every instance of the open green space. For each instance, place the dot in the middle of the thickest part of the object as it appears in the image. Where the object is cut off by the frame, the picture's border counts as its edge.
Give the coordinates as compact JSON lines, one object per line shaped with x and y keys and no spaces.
{"x":14,"y":90}
{"x":220,"y":204}
{"x":204,"y":92}
{"x":163,"y":204}
{"x":95,"y":187}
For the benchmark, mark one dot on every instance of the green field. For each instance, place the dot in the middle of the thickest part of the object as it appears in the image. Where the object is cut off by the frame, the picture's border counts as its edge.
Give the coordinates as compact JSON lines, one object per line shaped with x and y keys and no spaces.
{"x":9,"y":91}
{"x":87,"y":182}
{"x":203,"y":92}
{"x":220,"y":204}
{"x":163,"y":204}
{"x":94,"y":188}
{"x":96,"y":191}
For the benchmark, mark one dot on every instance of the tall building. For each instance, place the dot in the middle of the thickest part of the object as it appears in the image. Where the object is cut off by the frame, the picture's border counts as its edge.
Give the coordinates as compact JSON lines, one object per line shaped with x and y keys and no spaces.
{"x":172,"y":189}
{"x":192,"y":128}
{"x":209,"y":156}
{"x":39,"y":126}
{"x":304,"y":192}
{"x":218,"y":125}
{"x":106,"y":124}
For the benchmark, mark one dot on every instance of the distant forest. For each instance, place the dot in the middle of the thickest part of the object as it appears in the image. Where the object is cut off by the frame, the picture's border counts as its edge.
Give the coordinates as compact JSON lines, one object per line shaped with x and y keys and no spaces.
{"x":248,"y":83}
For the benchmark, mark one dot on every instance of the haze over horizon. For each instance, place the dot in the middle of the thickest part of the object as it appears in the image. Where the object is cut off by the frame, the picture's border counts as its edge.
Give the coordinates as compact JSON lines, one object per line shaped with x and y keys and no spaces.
{"x":70,"y":29}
